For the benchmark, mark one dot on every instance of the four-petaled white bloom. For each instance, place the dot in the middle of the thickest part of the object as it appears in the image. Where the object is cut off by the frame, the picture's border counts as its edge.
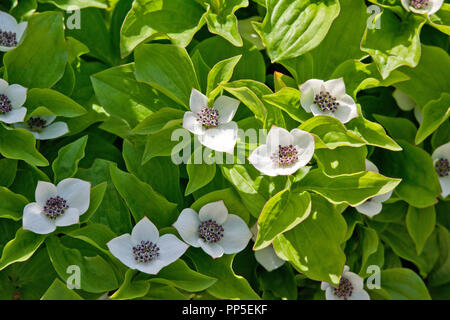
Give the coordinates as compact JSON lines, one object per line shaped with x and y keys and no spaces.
{"x":328,"y":98}
{"x":405,"y":103}
{"x":212,"y":125}
{"x":373,"y":205}
{"x":43,"y":127}
{"x":266,"y":257}
{"x":441,"y":159}
{"x":145,"y":250}
{"x":213,"y":229}
{"x":284,"y":152}
{"x":12,"y":98}
{"x":351,"y":287}
{"x":422,"y":6}
{"x":10,"y":31}
{"x":56,"y":206}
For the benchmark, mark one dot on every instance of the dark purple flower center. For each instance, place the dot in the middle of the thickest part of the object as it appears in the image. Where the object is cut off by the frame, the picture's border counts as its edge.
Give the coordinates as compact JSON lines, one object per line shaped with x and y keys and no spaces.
{"x":326,"y":101}
{"x":286,"y":156}
{"x":55,"y":207}
{"x":145,"y":251}
{"x":442,"y":167}
{"x":208,"y":117}
{"x":210,"y":231}
{"x":419,"y":4}
{"x":345,"y":289}
{"x":5,"y":104}
{"x":8,"y":39}
{"x":36,"y":124}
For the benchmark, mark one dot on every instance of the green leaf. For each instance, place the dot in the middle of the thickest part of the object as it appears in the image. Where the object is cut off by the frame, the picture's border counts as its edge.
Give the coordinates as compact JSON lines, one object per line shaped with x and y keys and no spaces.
{"x":369,"y":242}
{"x":142,"y":200}
{"x":131,"y":288}
{"x":441,"y":19}
{"x":326,"y":229}
{"x":281,"y":213}
{"x":96,"y":198}
{"x":56,"y":102}
{"x":293,"y":27}
{"x":396,"y":43}
{"x":121,"y":95}
{"x":228,"y":285}
{"x":220,"y":73}
{"x":8,"y":167}
{"x":222,"y":21}
{"x":331,"y":132}
{"x":372,"y":133}
{"x":399,"y":128}
{"x":168,"y":68}
{"x":420,"y":224}
{"x":40,"y":60}
{"x":20,"y":144}
{"x":229,"y":197}
{"x":436,"y":75}
{"x":59,"y":291}
{"x":66,"y":163}
{"x":403,"y":284}
{"x":288,"y":100}
{"x":157,"y":120}
{"x":415,"y":167}
{"x":177,"y":20}
{"x":66,"y":4}
{"x":435,"y":113}
{"x":199,"y":176}
{"x":12,"y":204}
{"x":352,"y":189}
{"x":97,"y":275}
{"x":21,"y":248}
{"x":341,"y":160}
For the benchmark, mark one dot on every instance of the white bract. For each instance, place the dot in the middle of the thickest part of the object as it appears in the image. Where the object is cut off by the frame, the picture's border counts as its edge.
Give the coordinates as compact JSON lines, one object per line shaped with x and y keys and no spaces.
{"x":212,"y":125}
{"x":11,"y":32}
{"x":405,"y":103}
{"x":441,"y":159}
{"x":213,"y":229}
{"x":284,"y":152}
{"x":56,"y":206}
{"x":267,"y":256}
{"x":12,"y":98}
{"x":373,"y":205}
{"x":351,"y":287}
{"x":328,"y":98}
{"x":145,"y":250}
{"x":43,"y":127}
{"x":422,"y":6}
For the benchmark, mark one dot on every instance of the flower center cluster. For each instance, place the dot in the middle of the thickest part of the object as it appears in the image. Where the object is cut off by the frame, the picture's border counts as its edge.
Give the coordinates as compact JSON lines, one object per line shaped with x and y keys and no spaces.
{"x":5,"y":104}
{"x":8,"y":39}
{"x":442,"y":167}
{"x":55,"y":207}
{"x":145,"y":251}
{"x":286,"y":156}
{"x":345,"y":289}
{"x":210,"y":231}
{"x":36,"y":124}
{"x":419,"y":4}
{"x":326,"y":101}
{"x":208,"y":117}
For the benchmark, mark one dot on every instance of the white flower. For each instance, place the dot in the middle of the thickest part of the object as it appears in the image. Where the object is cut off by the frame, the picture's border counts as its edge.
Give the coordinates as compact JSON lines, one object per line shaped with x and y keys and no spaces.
{"x":405,"y":103}
{"x":145,"y":250}
{"x":12,"y":98}
{"x":351,"y":287}
{"x":212,"y":126}
{"x":284,"y":152}
{"x":213,"y":229}
{"x":56,"y":206}
{"x":422,"y":6}
{"x":441,"y":159}
{"x":11,"y":32}
{"x":266,"y":257}
{"x":373,"y":205}
{"x":43,"y":127}
{"x":328,"y":98}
